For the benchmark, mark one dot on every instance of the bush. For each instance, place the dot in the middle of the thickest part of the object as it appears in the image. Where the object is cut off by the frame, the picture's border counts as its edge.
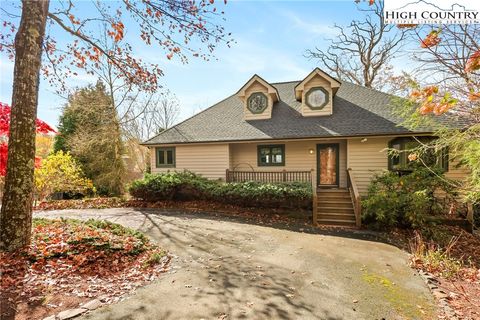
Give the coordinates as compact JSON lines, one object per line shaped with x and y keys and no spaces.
{"x":171,"y":186}
{"x":189,"y":186}
{"x":59,"y":172}
{"x":405,"y":200}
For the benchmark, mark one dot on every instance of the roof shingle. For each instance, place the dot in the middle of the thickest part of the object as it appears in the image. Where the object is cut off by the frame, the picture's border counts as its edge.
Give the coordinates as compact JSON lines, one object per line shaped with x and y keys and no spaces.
{"x":357,"y":111}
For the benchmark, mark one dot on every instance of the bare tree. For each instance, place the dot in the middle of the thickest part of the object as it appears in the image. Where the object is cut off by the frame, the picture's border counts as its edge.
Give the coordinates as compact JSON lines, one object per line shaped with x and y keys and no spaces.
{"x":146,"y":117}
{"x":150,"y":115}
{"x":362,"y":51}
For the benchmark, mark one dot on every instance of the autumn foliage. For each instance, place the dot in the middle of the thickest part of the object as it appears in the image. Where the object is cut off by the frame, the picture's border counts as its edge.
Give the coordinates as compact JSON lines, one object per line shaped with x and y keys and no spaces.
{"x":42,"y":127}
{"x":86,"y":259}
{"x":473,"y":62}
{"x":431,"y":40}
{"x":178,"y":28}
{"x":429,"y":98}
{"x":60,"y":172}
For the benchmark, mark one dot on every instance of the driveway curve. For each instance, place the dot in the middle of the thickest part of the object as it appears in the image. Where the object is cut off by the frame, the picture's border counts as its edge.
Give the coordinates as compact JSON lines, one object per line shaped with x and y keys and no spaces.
{"x":224,"y":268}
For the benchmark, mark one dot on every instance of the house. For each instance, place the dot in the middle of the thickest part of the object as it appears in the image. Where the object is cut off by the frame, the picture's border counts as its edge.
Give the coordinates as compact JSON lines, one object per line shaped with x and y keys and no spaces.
{"x":314,"y":129}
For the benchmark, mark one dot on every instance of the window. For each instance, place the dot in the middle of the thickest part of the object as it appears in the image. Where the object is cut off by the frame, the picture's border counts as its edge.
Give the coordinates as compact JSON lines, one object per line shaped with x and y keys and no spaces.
{"x":405,"y":158}
{"x":257,"y":102}
{"x":272,"y":155}
{"x":165,"y":157}
{"x":316,"y":98}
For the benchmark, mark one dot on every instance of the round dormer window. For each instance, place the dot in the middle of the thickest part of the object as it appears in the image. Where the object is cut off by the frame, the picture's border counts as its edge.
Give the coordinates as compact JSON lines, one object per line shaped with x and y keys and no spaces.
{"x":317,"y":98}
{"x":257,"y":102}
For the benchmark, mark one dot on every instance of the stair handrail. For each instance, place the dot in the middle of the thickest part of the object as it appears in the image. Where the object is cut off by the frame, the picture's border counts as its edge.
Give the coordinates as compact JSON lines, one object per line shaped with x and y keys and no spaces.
{"x":314,"y":197}
{"x":355,"y":195}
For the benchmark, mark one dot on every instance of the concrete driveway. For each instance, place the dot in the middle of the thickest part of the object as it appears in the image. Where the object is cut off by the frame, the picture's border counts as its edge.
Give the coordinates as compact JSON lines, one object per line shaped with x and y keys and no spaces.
{"x":224,"y":268}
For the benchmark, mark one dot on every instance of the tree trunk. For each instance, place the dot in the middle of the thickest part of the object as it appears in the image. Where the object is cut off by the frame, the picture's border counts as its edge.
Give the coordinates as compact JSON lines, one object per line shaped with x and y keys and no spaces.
{"x":16,"y":212}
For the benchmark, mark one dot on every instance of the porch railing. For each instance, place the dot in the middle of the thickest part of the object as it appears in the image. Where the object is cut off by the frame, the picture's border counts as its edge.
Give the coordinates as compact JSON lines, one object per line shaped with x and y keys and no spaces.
{"x":355,"y":195}
{"x":268,"y":176}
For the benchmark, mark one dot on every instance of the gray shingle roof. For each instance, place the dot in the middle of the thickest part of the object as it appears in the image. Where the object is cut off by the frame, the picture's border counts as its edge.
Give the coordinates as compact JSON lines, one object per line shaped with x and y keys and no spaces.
{"x":357,"y":111}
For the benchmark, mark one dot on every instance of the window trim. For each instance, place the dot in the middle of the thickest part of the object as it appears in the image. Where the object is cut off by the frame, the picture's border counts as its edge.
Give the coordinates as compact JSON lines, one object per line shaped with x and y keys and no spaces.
{"x":402,"y":141}
{"x":165,"y":149}
{"x":270,"y":146}
{"x":310,"y":91}
{"x":251,"y":96}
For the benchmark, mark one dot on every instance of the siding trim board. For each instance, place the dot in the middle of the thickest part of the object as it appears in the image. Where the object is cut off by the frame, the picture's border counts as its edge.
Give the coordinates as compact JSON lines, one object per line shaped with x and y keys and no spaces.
{"x":283,"y":139}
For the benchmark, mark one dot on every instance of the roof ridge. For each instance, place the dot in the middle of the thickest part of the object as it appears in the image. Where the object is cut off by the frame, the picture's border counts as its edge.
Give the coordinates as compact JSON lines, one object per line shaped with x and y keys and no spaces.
{"x":282,"y":82}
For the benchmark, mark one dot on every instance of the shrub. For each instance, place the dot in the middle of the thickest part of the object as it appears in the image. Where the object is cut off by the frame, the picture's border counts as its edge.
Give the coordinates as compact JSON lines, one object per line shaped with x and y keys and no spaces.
{"x":59,"y":172}
{"x":406,"y":200}
{"x":170,"y":186}
{"x":189,"y":186}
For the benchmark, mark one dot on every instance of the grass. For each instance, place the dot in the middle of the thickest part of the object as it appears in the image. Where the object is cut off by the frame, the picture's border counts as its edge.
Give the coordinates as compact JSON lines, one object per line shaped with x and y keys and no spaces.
{"x":434,"y":258}
{"x":155,"y":258}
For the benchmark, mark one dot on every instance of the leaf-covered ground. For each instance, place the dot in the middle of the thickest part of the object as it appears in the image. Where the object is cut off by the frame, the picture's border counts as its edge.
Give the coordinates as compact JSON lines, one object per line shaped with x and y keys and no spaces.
{"x":259,"y":215}
{"x":70,"y":262}
{"x":452,"y":256}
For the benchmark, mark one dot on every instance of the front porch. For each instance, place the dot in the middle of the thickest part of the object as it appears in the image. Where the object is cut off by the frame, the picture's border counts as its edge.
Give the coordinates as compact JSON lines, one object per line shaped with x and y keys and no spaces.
{"x":331,"y":205}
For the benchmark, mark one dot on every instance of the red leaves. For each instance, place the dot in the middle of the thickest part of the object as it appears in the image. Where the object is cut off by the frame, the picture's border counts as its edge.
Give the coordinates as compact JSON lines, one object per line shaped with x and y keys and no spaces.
{"x":42,"y":127}
{"x":117,"y":34}
{"x":473,"y":63}
{"x":83,"y":259}
{"x":431,"y":40}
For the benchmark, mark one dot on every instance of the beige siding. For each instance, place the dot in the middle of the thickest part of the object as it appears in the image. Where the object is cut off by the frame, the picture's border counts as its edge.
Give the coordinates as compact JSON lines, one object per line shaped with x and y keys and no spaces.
{"x":317,"y":81}
{"x":267,"y":113}
{"x":365,"y":159}
{"x":297,"y":157}
{"x":209,"y":160}
{"x":456,"y":173}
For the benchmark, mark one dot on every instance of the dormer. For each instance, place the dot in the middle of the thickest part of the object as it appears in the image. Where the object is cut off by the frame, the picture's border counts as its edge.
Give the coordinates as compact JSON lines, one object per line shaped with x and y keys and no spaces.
{"x":258,"y":97}
{"x":316,"y":93}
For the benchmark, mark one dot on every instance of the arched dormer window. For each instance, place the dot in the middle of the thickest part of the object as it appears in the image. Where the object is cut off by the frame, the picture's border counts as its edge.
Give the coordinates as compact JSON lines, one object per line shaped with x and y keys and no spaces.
{"x":404,"y":154}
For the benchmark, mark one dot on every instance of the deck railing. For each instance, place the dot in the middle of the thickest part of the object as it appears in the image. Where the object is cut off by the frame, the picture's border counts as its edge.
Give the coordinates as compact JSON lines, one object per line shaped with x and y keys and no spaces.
{"x":355,"y":195}
{"x":268,"y":176}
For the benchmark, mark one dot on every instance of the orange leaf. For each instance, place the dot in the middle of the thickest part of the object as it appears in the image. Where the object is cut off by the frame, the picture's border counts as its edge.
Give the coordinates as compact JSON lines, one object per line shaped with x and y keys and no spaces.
{"x":473,"y":63}
{"x":431,"y":40}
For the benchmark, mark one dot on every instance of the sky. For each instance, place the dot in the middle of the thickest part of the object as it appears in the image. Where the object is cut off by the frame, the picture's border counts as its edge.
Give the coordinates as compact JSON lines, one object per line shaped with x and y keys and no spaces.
{"x":270,"y":40}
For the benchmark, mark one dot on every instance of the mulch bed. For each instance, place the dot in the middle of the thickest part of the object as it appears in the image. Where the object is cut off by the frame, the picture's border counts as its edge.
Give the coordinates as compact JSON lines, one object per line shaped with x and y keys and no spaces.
{"x":71,"y":262}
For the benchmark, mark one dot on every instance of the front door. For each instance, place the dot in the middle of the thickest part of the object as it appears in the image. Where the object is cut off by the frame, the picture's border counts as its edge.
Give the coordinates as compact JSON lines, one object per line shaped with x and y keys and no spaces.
{"x":327,"y":165}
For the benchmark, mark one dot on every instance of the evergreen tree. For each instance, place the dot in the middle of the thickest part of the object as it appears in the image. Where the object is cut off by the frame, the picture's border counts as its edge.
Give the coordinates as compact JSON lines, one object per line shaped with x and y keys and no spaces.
{"x":90,"y":130}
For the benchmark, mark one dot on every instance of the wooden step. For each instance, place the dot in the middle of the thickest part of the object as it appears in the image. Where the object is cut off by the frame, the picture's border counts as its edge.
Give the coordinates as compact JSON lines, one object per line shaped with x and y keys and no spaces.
{"x":339,"y":204}
{"x":335,"y":210}
{"x":336,"y":216}
{"x":334,"y":222}
{"x":333,"y":194}
{"x":331,"y":190}
{"x":340,"y":199}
